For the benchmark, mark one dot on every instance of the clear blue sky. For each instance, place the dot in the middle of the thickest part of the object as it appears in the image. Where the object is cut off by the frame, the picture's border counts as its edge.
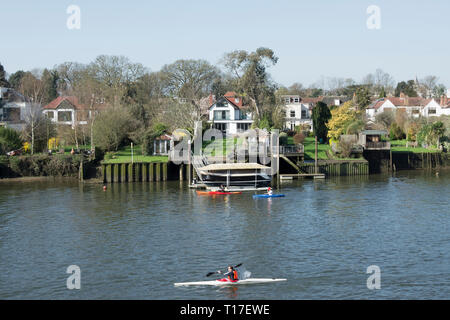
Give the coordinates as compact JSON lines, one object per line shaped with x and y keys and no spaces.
{"x":312,"y":38}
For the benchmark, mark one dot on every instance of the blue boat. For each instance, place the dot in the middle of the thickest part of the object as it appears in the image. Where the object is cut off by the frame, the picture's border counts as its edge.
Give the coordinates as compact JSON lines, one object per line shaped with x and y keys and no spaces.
{"x":256,"y":196}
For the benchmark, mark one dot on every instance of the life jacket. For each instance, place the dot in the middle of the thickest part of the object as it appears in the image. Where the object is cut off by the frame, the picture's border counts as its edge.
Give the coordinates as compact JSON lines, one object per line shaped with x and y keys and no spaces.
{"x":235,"y":276}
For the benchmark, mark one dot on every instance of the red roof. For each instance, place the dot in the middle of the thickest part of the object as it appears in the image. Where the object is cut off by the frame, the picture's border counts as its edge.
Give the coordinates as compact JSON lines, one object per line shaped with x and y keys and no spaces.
{"x":232,"y":97}
{"x":402,"y":102}
{"x":72,"y":100}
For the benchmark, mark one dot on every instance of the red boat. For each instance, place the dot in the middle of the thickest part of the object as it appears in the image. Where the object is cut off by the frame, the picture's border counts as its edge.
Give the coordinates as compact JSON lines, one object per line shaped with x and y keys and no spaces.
{"x":209,"y":193}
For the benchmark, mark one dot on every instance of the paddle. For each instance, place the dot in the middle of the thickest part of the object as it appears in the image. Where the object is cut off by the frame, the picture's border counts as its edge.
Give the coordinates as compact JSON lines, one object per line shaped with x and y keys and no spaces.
{"x":211,"y":273}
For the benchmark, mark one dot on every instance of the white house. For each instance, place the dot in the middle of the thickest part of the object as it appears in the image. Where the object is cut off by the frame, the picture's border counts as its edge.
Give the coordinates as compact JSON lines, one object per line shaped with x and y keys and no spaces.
{"x":296,"y":112}
{"x":229,"y":115}
{"x":13,"y":108}
{"x":414,"y":106}
{"x":68,"y":111}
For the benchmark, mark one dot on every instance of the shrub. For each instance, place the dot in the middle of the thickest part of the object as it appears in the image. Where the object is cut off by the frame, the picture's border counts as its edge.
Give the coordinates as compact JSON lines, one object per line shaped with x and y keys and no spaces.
{"x":396,"y":133}
{"x":299,"y":138}
{"x":283,"y":139}
{"x":9,"y":140}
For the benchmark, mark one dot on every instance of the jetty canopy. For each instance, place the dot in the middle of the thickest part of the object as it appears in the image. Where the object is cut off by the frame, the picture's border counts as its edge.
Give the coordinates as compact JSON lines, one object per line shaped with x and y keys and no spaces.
{"x":233,"y":166}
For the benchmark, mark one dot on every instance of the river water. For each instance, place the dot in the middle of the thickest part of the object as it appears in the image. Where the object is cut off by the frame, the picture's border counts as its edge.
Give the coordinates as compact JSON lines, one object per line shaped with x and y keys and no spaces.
{"x":135,"y":240}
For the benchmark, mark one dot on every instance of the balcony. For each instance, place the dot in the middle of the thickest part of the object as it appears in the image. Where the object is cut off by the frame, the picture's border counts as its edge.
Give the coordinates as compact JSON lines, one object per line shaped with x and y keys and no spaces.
{"x":381,"y":145}
{"x":292,"y":149}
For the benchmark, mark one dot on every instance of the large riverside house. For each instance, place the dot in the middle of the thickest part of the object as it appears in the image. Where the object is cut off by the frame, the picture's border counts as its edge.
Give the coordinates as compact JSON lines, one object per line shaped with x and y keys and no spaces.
{"x":413,"y":106}
{"x":229,"y":115}
{"x":13,"y":108}
{"x":68,"y":111}
{"x":298,"y":110}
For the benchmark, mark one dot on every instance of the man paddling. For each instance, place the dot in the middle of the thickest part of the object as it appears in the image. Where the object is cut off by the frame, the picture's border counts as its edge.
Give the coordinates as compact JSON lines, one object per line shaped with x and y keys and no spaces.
{"x":231,"y":275}
{"x":269,"y":191}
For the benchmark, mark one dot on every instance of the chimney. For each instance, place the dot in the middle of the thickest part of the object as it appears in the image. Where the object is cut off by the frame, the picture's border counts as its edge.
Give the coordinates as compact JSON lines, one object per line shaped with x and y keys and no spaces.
{"x":210,"y":99}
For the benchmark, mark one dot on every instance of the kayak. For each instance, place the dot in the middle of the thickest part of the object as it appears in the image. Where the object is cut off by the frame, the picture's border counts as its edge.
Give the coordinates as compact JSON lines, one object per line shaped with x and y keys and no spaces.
{"x":255,"y":196}
{"x":228,"y":283}
{"x":206,"y":193}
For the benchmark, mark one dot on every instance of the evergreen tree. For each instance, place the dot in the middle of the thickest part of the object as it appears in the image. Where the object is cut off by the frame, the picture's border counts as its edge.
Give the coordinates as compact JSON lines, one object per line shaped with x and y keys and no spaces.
{"x":321,"y":114}
{"x":3,"y":81}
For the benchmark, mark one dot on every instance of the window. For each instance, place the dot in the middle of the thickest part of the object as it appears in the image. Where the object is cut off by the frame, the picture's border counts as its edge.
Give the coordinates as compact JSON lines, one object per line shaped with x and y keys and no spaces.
{"x":432,"y":111}
{"x":50,"y":115}
{"x":11,"y":114}
{"x":287,"y":100}
{"x":220,"y":126}
{"x":64,"y":116}
{"x":292,"y":114}
{"x":304,"y":114}
{"x":243,"y":126}
{"x":222,"y":115}
{"x":297,"y":100}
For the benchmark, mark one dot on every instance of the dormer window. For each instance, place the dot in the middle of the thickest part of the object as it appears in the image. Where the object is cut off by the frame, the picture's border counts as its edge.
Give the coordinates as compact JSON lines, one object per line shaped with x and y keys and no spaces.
{"x":236,"y":100}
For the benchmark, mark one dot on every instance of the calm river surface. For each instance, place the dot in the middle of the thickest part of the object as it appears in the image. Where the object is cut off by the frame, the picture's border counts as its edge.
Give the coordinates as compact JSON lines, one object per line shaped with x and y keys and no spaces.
{"x":135,"y":240}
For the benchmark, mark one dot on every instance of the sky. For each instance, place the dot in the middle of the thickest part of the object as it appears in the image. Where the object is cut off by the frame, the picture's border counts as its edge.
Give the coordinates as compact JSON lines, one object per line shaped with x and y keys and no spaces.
{"x":312,"y":38}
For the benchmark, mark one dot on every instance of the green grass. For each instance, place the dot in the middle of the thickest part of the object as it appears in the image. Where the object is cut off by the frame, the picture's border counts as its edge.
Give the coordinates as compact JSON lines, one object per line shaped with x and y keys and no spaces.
{"x":222,"y":147}
{"x":310,"y":149}
{"x":400,"y":146}
{"x":124,"y":156}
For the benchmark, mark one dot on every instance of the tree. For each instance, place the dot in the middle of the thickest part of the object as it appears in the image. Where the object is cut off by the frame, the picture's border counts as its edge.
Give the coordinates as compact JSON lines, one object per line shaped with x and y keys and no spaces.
{"x":407,"y":88}
{"x":50,"y":80}
{"x":385,"y":119}
{"x":431,"y":133}
{"x":15,"y":79}
{"x":33,"y":87}
{"x":9,"y":140}
{"x":38,"y":129}
{"x":362,"y":98}
{"x":3,"y":81}
{"x":190,"y":79}
{"x":250,"y":72}
{"x":112,"y":127}
{"x":321,"y":115}
{"x":341,"y":118}
{"x":114,"y":74}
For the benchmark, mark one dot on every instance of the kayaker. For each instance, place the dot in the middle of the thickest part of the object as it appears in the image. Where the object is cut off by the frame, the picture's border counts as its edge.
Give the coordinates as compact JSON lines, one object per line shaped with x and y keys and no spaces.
{"x":269,"y":191}
{"x":231,"y":275}
{"x":222,"y":188}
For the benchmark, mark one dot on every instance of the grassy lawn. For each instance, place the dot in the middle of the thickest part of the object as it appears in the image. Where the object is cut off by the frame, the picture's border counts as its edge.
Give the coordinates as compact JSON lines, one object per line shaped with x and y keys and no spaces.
{"x":400,"y":146}
{"x":124,"y":156}
{"x":222,"y":147}
{"x":310,"y":149}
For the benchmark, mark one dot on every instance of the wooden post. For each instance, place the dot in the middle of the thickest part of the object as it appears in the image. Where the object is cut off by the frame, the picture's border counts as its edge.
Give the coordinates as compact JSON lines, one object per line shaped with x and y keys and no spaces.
{"x":181,"y":172}
{"x":137,"y":167}
{"x":81,"y":171}
{"x":130,"y":173}
{"x":189,"y":168}
{"x":164,"y":165}
{"x":108,"y":173}
{"x":145,"y":172}
{"x":123,"y":172}
{"x":158,"y":171}
{"x":116,"y":172}
{"x":315,"y":157}
{"x":151,"y":174}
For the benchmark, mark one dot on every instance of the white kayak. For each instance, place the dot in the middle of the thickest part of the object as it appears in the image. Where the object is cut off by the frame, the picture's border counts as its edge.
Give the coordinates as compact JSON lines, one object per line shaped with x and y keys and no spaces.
{"x":228,"y":283}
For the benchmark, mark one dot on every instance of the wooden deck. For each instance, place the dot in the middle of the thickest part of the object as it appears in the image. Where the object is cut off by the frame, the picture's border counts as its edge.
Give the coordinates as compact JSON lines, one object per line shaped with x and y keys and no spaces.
{"x":302,"y":175}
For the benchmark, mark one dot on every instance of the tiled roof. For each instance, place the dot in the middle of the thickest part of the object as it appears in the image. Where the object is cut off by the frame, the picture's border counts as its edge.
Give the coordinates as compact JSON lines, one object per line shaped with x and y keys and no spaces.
{"x":401,"y":102}
{"x":72,"y":100}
